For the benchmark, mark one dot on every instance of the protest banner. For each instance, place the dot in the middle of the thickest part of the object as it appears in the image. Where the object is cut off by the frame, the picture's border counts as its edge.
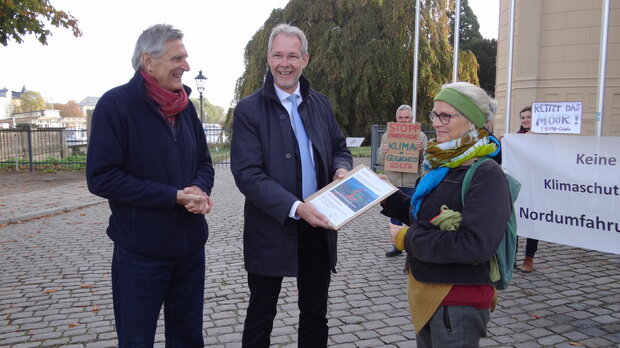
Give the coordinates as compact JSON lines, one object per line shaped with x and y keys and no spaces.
{"x":561,"y":117}
{"x":402,"y":154}
{"x":570,"y":188}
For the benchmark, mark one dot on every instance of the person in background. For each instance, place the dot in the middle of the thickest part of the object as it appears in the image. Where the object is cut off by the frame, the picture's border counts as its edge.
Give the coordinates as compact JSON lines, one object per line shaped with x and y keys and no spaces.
{"x":148,"y":156}
{"x":450,"y":243}
{"x":286,"y":145}
{"x":531,"y":245}
{"x":404,"y":181}
{"x":525,"y":116}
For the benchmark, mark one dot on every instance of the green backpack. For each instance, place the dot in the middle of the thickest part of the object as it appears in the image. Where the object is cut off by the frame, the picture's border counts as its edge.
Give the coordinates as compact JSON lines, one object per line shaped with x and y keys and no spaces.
{"x":502,"y":263}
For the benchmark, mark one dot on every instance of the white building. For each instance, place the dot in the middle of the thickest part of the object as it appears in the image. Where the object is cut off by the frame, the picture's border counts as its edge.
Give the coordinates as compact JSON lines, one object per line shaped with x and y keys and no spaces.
{"x":41,"y":118}
{"x":9,"y":101}
{"x":88,"y":105}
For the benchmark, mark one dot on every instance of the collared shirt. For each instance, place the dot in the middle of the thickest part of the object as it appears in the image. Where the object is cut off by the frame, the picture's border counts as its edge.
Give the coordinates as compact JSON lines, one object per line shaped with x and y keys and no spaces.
{"x":288,"y":105}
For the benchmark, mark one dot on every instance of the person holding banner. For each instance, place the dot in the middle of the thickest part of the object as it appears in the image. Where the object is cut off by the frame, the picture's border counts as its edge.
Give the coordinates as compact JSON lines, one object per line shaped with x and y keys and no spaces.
{"x":450,"y":242}
{"x":403,"y":180}
{"x":525,"y":116}
{"x":531,"y":244}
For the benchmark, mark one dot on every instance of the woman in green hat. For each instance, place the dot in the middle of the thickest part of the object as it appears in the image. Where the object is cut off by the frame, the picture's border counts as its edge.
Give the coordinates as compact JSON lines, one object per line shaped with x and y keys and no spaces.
{"x":450,"y":244}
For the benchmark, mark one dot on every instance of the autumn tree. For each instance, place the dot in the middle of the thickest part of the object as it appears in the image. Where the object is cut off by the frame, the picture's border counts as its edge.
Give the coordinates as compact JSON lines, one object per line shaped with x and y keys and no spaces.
{"x":362,"y":56}
{"x":211,"y":113}
{"x":70,"y":109}
{"x":31,"y":101}
{"x":21,"y":17}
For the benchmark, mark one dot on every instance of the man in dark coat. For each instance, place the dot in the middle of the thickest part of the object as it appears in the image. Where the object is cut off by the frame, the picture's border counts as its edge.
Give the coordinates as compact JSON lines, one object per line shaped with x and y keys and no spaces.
{"x":148,"y":156}
{"x":286,"y":145}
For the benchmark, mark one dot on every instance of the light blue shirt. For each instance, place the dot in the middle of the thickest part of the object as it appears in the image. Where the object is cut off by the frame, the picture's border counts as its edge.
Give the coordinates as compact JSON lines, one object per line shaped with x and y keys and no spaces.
{"x":288,"y":105}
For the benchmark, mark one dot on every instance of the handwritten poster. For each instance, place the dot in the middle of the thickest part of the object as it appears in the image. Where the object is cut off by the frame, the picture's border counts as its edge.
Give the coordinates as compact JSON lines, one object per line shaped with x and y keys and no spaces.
{"x":402,"y":154}
{"x":561,"y":117}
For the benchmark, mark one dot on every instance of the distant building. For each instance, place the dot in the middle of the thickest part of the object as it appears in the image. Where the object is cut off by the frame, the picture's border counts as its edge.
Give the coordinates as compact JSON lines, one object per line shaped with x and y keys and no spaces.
{"x":556,"y":59}
{"x":88,"y":105}
{"x":39,"y":118}
{"x":9,"y":102}
{"x":73,"y":122}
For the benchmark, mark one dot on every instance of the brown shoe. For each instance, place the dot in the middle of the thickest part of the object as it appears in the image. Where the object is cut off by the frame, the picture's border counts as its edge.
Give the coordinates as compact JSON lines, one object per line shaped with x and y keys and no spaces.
{"x":528,"y":265}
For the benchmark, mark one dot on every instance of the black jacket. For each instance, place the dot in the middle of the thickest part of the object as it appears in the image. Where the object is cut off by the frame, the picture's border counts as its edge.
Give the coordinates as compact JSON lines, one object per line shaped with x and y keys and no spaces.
{"x":267,"y":170}
{"x":461,"y":256}
{"x":137,"y":163}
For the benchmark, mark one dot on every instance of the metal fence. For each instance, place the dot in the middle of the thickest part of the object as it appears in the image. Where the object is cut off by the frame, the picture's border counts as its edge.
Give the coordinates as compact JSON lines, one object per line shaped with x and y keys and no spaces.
{"x":219,"y":146}
{"x":44,"y":149}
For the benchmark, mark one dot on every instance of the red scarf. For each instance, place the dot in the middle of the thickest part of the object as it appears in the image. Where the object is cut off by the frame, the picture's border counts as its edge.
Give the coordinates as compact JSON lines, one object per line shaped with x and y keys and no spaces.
{"x":170,"y":103}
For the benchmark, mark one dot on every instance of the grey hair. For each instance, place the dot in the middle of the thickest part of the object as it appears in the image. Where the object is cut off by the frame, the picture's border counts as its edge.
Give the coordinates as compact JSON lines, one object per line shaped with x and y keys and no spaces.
{"x":478,"y":96}
{"x":152,"y":41}
{"x":405,"y":107}
{"x":285,"y":29}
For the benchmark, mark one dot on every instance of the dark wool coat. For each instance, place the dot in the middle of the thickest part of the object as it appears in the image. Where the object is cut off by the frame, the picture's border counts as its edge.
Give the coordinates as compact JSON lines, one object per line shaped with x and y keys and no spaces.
{"x":266,"y":166}
{"x":461,"y":256}
{"x":138,"y":163}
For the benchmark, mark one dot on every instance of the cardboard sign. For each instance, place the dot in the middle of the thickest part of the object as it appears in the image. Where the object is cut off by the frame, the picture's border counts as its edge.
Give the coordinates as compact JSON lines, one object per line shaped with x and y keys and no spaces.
{"x":561,"y":117}
{"x":402,"y":154}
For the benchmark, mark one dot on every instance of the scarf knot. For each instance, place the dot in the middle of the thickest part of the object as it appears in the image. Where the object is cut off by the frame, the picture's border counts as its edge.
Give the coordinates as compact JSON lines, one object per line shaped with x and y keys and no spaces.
{"x":440,"y":157}
{"x":171,"y":104}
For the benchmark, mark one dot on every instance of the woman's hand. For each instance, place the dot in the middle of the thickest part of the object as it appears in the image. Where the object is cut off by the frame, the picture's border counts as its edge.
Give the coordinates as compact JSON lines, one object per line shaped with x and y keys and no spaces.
{"x":384,"y":178}
{"x":398,"y":233}
{"x":394,"y":229}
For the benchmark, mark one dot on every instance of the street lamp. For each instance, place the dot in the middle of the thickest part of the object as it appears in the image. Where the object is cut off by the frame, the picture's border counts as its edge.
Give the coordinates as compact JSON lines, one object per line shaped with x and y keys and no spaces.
{"x":201,"y":80}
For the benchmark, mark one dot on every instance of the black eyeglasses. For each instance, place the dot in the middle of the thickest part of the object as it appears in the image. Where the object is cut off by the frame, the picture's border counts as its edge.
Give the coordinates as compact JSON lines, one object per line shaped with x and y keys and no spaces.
{"x":443,"y":117}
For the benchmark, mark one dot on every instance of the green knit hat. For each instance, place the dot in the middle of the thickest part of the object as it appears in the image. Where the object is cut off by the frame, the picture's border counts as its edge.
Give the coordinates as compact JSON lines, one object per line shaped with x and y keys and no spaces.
{"x":463,"y":104}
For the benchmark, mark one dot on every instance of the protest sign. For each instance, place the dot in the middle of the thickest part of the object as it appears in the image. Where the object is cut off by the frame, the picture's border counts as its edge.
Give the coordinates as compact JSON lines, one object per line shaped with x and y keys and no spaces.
{"x":561,"y":117}
{"x":570,"y":188}
{"x":402,"y":154}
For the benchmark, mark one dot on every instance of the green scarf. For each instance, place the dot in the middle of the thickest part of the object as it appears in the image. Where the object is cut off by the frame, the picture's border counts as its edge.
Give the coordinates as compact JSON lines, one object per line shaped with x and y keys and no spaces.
{"x":453,"y":153}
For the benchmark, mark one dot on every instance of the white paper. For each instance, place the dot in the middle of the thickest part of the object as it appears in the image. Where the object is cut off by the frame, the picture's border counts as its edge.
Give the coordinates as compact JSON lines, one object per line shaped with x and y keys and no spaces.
{"x":352,"y":196}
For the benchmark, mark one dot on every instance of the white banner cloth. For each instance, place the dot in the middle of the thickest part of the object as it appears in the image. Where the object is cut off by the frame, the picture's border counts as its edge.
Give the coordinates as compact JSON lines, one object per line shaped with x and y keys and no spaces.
{"x":570,"y":188}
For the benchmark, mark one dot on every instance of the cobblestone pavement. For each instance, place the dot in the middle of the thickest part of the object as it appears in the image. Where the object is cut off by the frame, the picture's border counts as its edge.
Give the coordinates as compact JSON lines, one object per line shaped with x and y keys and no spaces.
{"x":55,"y":283}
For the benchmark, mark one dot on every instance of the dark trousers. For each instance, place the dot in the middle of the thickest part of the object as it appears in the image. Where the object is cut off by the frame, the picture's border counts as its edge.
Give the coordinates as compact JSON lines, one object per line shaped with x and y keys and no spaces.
{"x":313,"y":284}
{"x":454,"y":327}
{"x":140,"y":285}
{"x":531,"y":246}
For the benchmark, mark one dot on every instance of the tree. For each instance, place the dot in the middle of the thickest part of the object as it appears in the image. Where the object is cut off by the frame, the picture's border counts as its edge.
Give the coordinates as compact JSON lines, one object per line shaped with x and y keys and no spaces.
{"x":21,"y":17}
{"x":31,"y":101}
{"x":485,"y":51}
{"x":469,"y":28}
{"x":211,"y":113}
{"x":362,"y":56}
{"x":470,"y":39}
{"x":71,"y":109}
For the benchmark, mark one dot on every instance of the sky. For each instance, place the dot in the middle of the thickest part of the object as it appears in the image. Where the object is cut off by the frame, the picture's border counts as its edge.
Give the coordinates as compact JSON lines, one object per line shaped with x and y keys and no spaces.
{"x":216,"y":33}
